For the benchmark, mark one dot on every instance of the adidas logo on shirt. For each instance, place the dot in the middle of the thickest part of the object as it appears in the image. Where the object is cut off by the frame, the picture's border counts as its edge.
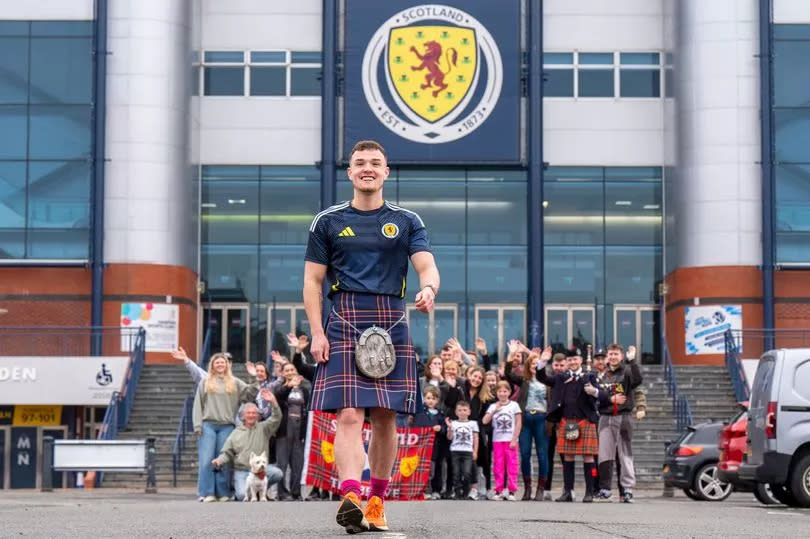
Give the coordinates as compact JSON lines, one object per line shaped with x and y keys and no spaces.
{"x":347,"y":232}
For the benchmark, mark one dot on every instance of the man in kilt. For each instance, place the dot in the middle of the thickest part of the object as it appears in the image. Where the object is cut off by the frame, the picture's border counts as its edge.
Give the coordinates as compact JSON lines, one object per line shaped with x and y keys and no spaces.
{"x":362,"y":249}
{"x":574,"y":403}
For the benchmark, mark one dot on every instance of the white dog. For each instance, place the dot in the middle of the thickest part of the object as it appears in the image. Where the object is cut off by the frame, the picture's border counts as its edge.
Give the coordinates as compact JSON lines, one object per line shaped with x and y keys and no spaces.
{"x":256,"y":483}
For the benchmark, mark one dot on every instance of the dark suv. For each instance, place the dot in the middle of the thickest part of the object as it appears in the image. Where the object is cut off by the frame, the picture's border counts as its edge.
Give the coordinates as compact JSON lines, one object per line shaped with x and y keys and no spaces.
{"x":691,"y":463}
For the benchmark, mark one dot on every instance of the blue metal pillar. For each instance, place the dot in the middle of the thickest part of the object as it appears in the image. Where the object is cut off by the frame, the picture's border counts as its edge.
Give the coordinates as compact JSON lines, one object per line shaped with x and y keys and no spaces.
{"x":535,"y":151}
{"x":768,"y":198}
{"x":99,"y":158}
{"x":329,"y":104}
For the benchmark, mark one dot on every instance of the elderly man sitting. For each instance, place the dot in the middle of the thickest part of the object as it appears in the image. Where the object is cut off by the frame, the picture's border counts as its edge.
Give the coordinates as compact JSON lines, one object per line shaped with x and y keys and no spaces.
{"x":251,"y":437}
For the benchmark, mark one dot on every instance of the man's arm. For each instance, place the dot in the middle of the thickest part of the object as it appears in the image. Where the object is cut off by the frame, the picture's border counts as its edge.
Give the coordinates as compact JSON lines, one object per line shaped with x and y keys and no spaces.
{"x":270,"y":425}
{"x":425,"y":266}
{"x":314,"y":274}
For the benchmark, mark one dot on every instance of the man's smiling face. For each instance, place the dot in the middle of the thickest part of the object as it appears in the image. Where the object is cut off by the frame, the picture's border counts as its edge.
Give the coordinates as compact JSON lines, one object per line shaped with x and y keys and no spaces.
{"x":368,"y":170}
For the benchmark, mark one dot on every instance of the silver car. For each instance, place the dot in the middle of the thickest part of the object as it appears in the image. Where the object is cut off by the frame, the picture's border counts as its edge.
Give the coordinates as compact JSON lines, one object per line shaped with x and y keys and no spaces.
{"x":778,"y":450}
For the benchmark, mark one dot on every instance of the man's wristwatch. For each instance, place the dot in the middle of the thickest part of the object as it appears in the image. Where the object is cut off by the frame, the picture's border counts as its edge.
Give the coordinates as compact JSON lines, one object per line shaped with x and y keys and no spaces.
{"x":432,"y":287}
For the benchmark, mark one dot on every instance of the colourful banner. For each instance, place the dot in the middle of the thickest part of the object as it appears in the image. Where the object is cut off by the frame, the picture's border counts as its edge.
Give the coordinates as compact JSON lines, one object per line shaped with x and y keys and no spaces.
{"x":411,"y":468}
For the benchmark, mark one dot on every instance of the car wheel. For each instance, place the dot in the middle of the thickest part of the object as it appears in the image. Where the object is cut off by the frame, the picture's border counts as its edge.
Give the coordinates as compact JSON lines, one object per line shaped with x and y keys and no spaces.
{"x":708,"y":486}
{"x":692,"y":494}
{"x":764,"y":494}
{"x":800,"y":482}
{"x":783,"y":494}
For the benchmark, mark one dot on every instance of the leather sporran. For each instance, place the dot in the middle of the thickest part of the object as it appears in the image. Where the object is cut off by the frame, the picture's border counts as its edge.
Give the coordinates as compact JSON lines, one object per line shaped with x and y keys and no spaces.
{"x":374,"y":354}
{"x":572,"y":431}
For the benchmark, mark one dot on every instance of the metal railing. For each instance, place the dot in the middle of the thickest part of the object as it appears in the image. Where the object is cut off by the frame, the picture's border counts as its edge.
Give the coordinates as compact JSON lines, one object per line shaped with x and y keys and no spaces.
{"x":185,"y":426}
{"x":137,"y":356}
{"x":680,"y":405}
{"x":109,"y":427}
{"x":735,"y":368}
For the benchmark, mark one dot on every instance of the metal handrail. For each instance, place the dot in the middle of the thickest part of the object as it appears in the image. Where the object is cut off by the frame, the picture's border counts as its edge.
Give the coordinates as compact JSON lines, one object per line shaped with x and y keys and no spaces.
{"x":109,"y":427}
{"x":183,"y":428}
{"x":680,"y":405}
{"x":137,"y":357}
{"x":735,"y":368}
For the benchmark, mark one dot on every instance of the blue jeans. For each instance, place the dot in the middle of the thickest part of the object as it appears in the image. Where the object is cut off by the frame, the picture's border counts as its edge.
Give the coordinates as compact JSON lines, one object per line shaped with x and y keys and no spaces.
{"x":534,"y":428}
{"x":273,"y":473}
{"x":210,"y":481}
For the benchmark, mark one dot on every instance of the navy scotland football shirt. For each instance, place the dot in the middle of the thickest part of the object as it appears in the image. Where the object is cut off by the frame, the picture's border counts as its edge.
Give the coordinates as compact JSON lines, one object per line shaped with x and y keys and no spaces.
{"x":366,"y":251}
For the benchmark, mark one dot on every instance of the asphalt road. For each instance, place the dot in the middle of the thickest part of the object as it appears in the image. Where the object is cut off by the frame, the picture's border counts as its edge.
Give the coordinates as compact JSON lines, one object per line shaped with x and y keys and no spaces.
{"x":105,"y":513}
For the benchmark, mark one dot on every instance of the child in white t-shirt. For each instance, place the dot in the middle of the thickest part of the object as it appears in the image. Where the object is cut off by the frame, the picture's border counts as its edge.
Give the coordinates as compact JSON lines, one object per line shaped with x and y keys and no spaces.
{"x":463,"y":436}
{"x":506,"y":420}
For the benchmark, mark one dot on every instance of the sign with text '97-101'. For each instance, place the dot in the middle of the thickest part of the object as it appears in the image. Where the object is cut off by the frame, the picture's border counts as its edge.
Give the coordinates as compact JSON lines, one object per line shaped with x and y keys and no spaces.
{"x":434,"y":83}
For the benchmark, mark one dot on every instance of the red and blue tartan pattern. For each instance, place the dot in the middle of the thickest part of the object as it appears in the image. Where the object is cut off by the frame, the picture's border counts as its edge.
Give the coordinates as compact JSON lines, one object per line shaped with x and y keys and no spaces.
{"x":338,"y":384}
{"x":410,"y":473}
{"x":586,"y":444}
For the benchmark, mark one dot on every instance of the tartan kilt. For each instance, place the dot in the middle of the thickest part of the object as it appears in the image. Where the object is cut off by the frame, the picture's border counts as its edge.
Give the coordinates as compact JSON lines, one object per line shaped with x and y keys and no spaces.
{"x":338,"y":384}
{"x":586,"y":444}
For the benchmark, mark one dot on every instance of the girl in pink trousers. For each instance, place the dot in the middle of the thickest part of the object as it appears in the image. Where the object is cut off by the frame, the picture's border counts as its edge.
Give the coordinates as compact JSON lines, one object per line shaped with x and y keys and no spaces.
{"x":506,"y":422}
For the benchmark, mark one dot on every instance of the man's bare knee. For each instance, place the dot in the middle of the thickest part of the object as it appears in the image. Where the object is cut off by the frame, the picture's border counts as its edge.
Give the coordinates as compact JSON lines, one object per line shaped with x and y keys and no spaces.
{"x":350,"y":418}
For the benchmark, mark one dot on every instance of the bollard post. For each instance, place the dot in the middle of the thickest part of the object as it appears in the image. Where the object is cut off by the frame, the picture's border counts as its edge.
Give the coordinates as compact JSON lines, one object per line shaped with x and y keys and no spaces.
{"x":151,"y":455}
{"x":47,"y":464}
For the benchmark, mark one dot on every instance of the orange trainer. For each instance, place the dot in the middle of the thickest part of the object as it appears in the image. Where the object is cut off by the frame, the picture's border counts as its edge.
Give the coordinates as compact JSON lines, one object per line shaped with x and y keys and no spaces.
{"x":375,"y":514}
{"x":350,"y":514}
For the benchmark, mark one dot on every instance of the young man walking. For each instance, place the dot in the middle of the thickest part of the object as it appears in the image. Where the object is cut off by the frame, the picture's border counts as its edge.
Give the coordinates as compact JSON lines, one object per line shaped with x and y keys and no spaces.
{"x":365,"y":357}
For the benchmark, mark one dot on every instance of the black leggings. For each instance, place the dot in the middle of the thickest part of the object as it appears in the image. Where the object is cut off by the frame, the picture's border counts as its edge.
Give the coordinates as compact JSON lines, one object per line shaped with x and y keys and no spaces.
{"x":485,"y":461}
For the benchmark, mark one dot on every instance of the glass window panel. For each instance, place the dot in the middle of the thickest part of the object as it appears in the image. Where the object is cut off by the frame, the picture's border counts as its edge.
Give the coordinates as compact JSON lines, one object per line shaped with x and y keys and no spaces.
{"x":14,"y":28}
{"x":557,"y":329}
{"x":287,"y":209}
{"x":573,"y":213}
{"x":488,"y":329}
{"x":574,"y":174}
{"x":418,"y":328}
{"x":633,"y":213}
{"x":195,"y":80}
{"x":439,"y":197}
{"x":12,"y":243}
{"x":12,"y":194}
{"x":640,"y":58}
{"x":230,"y":172}
{"x":497,"y":274}
{"x":59,"y":132}
{"x":231,"y":272}
{"x":450,"y":260}
{"x":59,"y":194}
{"x":230,"y":212}
{"x":290,"y":173}
{"x":514,"y":324}
{"x":573,"y":274}
{"x":14,"y":69}
{"x":634,"y":174}
{"x":596,"y":58}
{"x":444,"y":326}
{"x":497,"y":213}
{"x":640,"y":83}
{"x":282,"y":272}
{"x":62,"y":28}
{"x":224,"y":56}
{"x":558,"y":83}
{"x":792,"y":129}
{"x":56,"y":244}
{"x":791,"y":31}
{"x":595,"y":83}
{"x":13,"y":131}
{"x":224,"y":81}
{"x":268,"y":81}
{"x":581,"y":328}
{"x":669,"y":82}
{"x":301,"y":321}
{"x":791,"y":87}
{"x":305,"y":81}
{"x":307,"y":57}
{"x":650,"y":344}
{"x":558,"y":58}
{"x":237,"y":323}
{"x":345,"y":191}
{"x":61,"y":70}
{"x":626,"y":327}
{"x":280,"y":325}
{"x":632,"y":273}
{"x":793,"y":213}
{"x":278,"y":57}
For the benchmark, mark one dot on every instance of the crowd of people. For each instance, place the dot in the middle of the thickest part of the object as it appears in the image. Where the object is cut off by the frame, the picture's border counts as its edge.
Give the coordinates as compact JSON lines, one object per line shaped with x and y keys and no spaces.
{"x":489,"y":417}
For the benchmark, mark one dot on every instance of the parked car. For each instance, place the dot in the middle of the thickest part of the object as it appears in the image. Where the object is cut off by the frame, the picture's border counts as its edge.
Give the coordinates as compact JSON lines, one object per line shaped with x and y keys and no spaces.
{"x":778,"y":449}
{"x":691,"y":463}
{"x":732,"y":448}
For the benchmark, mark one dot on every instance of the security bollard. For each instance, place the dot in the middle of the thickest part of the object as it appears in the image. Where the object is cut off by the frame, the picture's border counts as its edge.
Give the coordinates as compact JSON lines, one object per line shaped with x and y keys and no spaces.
{"x":47,"y":464}
{"x":151,"y":455}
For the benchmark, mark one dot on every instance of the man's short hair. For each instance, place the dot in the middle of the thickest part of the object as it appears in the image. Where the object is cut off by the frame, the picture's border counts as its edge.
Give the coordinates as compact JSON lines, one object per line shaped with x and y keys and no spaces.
{"x":559,"y":356}
{"x":368,"y":145}
{"x":616,"y":347}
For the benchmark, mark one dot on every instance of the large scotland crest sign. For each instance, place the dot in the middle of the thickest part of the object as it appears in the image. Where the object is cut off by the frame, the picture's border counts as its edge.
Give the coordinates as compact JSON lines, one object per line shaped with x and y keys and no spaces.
{"x":432,"y":82}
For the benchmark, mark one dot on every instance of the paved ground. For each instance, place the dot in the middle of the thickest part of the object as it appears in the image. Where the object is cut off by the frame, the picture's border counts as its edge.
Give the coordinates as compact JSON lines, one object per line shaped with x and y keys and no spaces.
{"x":116,"y":513}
